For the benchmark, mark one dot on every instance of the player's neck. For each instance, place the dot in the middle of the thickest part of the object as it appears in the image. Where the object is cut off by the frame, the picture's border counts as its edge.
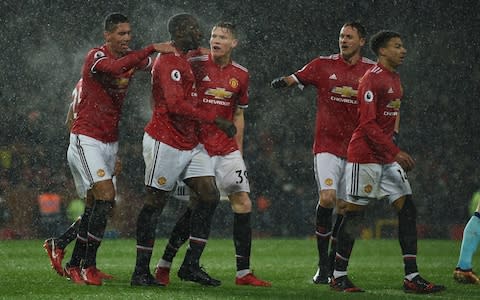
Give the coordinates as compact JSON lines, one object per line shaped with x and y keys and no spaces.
{"x":385,"y":63}
{"x":222,"y":61}
{"x":352,"y":59}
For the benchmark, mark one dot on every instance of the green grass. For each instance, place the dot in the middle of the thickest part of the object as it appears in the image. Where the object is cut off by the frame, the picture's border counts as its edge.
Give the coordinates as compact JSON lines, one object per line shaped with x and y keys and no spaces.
{"x":376,"y":266}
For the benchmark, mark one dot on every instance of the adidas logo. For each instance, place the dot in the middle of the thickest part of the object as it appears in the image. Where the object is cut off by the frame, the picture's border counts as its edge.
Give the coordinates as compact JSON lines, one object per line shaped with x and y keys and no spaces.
{"x":206,"y":78}
{"x":390,"y":91}
{"x":333,"y":77}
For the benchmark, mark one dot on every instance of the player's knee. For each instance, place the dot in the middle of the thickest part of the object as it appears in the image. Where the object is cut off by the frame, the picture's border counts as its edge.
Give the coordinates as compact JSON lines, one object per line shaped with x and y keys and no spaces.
{"x":341,"y":207}
{"x":155,"y":197}
{"x":240,"y":202}
{"x":328,"y":198}
{"x":104,"y":190}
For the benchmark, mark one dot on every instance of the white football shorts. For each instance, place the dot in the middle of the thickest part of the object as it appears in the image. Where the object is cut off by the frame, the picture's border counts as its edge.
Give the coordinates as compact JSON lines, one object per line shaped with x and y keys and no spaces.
{"x":330,"y":173}
{"x":90,"y":161}
{"x":376,"y":181}
{"x":230,"y":174}
{"x":164,"y":164}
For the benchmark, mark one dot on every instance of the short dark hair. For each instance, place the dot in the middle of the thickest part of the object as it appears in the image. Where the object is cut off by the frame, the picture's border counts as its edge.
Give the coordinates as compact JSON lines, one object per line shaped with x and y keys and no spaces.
{"x":178,"y":22}
{"x":381,"y":39}
{"x":113,"y":19}
{"x":362,"y":32}
{"x":228,"y":25}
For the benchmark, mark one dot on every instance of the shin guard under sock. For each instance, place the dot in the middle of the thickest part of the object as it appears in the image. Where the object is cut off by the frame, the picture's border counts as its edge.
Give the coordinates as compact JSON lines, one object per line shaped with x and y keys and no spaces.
{"x":96,"y":230}
{"x":407,"y":235}
{"x":323,"y":232}
{"x":242,"y":238}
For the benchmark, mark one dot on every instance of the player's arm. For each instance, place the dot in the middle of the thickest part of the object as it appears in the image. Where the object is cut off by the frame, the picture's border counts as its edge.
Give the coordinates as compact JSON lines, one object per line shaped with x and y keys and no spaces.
{"x":382,"y":142}
{"x":69,"y":119}
{"x":239,"y":122}
{"x":396,"y":130}
{"x":284,"y":81}
{"x":161,"y":48}
{"x":113,"y":66}
{"x":305,"y":76}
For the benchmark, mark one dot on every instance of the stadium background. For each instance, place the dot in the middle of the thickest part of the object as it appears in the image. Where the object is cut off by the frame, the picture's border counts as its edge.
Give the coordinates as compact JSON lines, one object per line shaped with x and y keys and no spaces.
{"x":44,"y":42}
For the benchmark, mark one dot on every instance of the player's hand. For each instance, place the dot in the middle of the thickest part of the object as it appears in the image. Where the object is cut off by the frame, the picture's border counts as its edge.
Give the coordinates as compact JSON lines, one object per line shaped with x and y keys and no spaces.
{"x":118,"y":167}
{"x":166,"y":47}
{"x":226,"y":126}
{"x":405,"y":160}
{"x":278,"y":83}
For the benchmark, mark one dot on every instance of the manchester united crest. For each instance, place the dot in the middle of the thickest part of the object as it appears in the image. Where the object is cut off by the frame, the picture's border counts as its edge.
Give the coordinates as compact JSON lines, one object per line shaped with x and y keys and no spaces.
{"x":233,"y":82}
{"x":367,"y":189}
{"x":162,"y":180}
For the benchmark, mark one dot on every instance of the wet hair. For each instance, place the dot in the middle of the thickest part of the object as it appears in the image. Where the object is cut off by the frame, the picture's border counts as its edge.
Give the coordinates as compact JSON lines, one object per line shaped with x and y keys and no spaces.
{"x":381,"y":39}
{"x":179,"y":23}
{"x":362,"y":32}
{"x":113,"y":19}
{"x":229,"y":26}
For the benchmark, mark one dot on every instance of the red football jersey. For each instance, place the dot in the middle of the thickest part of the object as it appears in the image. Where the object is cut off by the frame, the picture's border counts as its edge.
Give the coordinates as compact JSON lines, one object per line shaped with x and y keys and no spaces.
{"x":105,"y":80}
{"x":222,"y":90}
{"x":336,"y":83}
{"x":175,"y":111}
{"x":380,"y":93}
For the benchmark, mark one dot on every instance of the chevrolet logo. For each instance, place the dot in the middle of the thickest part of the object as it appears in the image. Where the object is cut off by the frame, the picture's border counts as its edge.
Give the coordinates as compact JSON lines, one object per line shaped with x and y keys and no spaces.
{"x":219,"y":93}
{"x":395,"y":104}
{"x":345,"y":91}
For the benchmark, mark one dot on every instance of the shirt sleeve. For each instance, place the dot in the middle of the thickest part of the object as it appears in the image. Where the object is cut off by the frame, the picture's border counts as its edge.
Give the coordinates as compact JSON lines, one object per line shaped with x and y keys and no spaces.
{"x":309,"y":73}
{"x":369,"y":92}
{"x":243,"y":94}
{"x":105,"y":64}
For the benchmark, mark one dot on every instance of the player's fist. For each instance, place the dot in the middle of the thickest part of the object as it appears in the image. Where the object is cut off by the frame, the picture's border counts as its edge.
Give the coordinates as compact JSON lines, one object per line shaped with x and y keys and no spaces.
{"x":278,"y":83}
{"x":226,"y":126}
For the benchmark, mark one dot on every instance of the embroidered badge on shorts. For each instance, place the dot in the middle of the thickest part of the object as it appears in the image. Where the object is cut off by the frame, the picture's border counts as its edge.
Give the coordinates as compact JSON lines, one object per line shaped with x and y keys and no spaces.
{"x":329,"y":181}
{"x":367,"y":189}
{"x":162,"y":180}
{"x":100,"y":172}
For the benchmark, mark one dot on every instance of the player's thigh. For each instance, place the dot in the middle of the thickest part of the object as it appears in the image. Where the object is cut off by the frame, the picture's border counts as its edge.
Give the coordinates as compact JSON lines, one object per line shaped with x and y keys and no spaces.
{"x":329,"y":173}
{"x":163,"y":163}
{"x":394,"y":182}
{"x":362,"y":182}
{"x":231,"y":173}
{"x":90,"y":160}
{"x":199,"y":174}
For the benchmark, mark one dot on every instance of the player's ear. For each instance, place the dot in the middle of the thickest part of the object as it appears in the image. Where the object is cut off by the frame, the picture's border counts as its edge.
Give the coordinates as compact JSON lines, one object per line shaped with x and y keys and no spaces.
{"x":362,"y":42}
{"x":234,"y":43}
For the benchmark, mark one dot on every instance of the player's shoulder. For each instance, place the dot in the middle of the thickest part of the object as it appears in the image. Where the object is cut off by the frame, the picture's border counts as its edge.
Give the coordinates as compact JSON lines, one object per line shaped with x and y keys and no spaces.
{"x":97,"y":53}
{"x":331,"y":57}
{"x":375,"y":70}
{"x":166,"y":59}
{"x":198,"y":58}
{"x":366,"y":60}
{"x":239,"y":67}
{"x":372,"y":75}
